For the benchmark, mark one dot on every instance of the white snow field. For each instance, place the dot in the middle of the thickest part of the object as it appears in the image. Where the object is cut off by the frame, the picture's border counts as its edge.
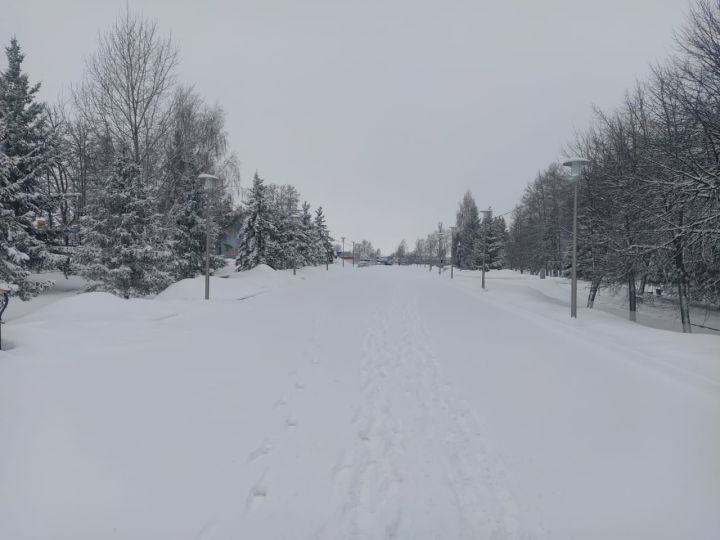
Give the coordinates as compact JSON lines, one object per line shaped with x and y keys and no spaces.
{"x":382,"y":402}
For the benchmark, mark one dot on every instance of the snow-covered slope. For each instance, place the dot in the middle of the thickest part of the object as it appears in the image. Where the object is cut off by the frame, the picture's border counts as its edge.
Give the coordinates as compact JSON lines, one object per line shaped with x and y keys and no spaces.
{"x":355,"y":403}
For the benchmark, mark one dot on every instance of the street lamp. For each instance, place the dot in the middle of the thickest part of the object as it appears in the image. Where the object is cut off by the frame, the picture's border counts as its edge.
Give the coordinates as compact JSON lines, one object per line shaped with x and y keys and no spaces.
{"x":487,"y":222}
{"x":343,"y":250}
{"x":453,"y":249}
{"x":576,"y":167}
{"x":210,"y":182}
{"x":4,"y":299}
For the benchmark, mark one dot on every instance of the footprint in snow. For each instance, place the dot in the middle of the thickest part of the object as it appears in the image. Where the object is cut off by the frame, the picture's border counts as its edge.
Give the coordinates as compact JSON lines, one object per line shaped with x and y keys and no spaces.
{"x":262,"y":450}
{"x":280,"y":402}
{"x":291,"y":422}
{"x":257,"y":495}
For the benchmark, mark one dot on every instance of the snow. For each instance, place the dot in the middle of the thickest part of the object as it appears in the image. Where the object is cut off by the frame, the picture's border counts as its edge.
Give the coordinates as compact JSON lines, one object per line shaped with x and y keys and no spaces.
{"x":357,"y":403}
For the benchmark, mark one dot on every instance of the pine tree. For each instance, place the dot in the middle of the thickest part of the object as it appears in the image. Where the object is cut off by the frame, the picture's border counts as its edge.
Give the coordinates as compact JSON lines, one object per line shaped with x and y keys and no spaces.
{"x":23,"y":159}
{"x":122,"y":248}
{"x":257,"y":235}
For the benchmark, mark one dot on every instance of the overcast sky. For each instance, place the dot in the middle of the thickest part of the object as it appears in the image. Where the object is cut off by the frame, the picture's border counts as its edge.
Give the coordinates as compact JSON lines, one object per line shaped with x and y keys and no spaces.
{"x":385,"y":112}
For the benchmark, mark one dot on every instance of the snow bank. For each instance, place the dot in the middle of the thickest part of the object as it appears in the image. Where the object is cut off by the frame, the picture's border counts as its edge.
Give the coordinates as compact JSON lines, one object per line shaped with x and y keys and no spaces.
{"x":232,"y":286}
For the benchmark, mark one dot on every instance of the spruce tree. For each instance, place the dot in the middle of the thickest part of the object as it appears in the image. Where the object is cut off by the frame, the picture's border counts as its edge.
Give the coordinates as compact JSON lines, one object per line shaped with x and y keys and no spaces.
{"x":285,"y":251}
{"x":496,"y":241}
{"x":308,"y":246}
{"x":323,"y":239}
{"x":257,"y":234}
{"x":187,"y":213}
{"x":24,"y":157}
{"x":122,"y":249}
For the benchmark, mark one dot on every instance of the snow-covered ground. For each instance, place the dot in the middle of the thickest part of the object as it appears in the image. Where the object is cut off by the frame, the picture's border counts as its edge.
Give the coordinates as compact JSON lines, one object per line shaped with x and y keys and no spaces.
{"x":357,"y":403}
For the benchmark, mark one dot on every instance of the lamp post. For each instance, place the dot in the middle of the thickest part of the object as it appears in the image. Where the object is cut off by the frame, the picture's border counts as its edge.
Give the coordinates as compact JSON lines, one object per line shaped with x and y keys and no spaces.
{"x":576,"y":167}
{"x":343,"y":250}
{"x":353,"y":253}
{"x":453,"y":250}
{"x":487,"y":222}
{"x":4,"y":299}
{"x":210,"y":183}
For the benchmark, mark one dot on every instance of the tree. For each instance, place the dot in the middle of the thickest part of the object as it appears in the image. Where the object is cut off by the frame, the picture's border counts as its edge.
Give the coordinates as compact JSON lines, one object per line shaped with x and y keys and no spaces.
{"x":25,"y":156}
{"x":310,"y":252}
{"x":442,"y":244}
{"x":495,"y":242}
{"x":122,"y":250}
{"x":257,"y":235}
{"x":467,"y":232}
{"x":289,"y":234}
{"x":323,"y":238}
{"x":127,"y":83}
{"x":402,"y":252}
{"x":195,"y":144}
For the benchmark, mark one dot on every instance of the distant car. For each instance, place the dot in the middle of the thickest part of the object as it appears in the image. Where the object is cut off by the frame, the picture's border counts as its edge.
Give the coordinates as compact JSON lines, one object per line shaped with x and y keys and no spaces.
{"x":364,"y":262}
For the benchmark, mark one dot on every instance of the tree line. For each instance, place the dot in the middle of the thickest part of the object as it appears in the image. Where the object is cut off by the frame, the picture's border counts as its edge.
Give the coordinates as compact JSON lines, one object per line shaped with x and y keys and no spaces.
{"x":470,"y":244}
{"x":278,"y":232}
{"x":104,"y":184}
{"x":649,"y":200}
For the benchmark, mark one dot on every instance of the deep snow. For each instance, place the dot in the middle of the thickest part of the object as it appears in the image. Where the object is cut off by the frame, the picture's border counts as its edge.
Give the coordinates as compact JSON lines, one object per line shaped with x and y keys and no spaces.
{"x":356,"y":403}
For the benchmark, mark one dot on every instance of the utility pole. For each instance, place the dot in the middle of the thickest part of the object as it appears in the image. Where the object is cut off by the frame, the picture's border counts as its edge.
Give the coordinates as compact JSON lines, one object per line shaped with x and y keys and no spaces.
{"x":353,"y":254}
{"x":343,"y":250}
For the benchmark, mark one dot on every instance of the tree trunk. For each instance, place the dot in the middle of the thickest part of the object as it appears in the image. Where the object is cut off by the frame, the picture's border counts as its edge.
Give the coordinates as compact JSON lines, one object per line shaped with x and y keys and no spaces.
{"x":683,"y":280}
{"x":683,"y":295}
{"x":643,"y":282}
{"x":594,"y":286}
{"x":632,"y":297}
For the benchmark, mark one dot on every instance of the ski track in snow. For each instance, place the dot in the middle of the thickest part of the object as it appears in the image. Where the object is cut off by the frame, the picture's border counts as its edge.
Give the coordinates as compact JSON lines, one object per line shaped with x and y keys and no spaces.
{"x":371,"y":476}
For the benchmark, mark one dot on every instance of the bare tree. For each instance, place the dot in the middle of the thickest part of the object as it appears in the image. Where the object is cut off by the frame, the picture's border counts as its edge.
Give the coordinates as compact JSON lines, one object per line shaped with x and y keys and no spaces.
{"x":127,"y":83}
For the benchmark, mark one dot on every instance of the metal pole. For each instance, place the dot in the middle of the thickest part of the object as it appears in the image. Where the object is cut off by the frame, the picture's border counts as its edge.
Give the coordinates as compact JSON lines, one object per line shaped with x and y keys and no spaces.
{"x":573,"y":289}
{"x":4,"y":301}
{"x":207,"y":248}
{"x":343,"y":251}
{"x":453,"y":250}
{"x":483,"y":257}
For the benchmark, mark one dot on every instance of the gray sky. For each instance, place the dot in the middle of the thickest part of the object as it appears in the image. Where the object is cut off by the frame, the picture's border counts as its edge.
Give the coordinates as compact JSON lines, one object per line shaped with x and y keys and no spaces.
{"x":384,"y":112}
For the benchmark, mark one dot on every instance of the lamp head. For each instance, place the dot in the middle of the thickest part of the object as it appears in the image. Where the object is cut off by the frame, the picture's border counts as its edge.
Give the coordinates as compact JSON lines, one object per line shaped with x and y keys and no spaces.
{"x":576,"y":165}
{"x":209,"y":181}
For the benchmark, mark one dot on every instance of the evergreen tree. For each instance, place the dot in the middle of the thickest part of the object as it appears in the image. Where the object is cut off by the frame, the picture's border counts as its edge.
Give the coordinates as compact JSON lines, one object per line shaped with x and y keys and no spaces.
{"x":324,"y":241}
{"x":122,"y":249}
{"x":285,"y":252}
{"x":467,"y":232}
{"x":496,"y":241}
{"x":187,"y":208}
{"x":24,"y":158}
{"x":257,"y":235}
{"x":309,"y":250}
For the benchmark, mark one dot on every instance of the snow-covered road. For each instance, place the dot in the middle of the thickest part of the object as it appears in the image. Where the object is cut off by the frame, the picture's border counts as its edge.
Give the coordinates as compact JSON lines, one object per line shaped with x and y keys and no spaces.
{"x":382,"y":402}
